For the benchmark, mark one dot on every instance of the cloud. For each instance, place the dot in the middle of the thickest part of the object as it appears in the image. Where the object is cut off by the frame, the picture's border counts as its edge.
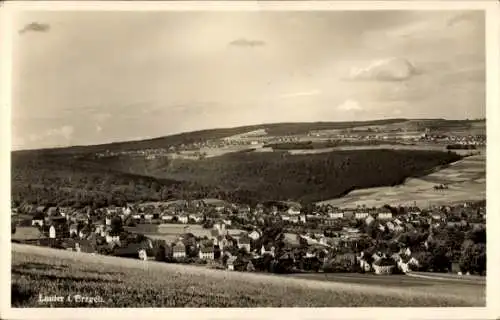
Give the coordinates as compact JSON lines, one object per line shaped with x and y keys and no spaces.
{"x":66,"y":132}
{"x":471,"y":16}
{"x":35,"y":27}
{"x":349,"y":105}
{"x":247,"y":43}
{"x":392,"y":69}
{"x":300,"y":94}
{"x":98,"y":128}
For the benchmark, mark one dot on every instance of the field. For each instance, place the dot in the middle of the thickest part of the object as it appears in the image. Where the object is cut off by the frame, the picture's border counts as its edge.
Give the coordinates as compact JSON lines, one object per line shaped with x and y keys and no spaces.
{"x":170,"y":232}
{"x":466,"y":180}
{"x":134,"y":283}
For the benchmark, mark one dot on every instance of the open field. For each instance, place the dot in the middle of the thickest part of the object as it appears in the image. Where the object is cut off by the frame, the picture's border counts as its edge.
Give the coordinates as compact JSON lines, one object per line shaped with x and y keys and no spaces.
{"x":171,"y":231}
{"x":466,"y":181}
{"x":134,"y":283}
{"x":445,"y":282}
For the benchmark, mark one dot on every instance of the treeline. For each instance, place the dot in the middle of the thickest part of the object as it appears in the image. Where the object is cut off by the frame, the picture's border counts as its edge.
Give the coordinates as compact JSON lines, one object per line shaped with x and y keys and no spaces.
{"x":240,"y":177}
{"x":461,"y":147}
{"x":310,"y":145}
{"x":304,"y":178}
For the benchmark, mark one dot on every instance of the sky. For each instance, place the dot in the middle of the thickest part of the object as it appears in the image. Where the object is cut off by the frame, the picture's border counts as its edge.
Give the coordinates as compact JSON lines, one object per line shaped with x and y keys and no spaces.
{"x":84,"y":78}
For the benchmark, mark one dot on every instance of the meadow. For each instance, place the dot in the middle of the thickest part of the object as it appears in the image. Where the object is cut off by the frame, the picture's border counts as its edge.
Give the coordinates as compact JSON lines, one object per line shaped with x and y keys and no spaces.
{"x":121,"y":282}
{"x":466,"y":180}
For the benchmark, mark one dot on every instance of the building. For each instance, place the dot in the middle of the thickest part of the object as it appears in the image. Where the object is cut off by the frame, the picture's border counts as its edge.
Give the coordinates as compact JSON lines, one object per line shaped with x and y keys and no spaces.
{"x":73,"y":229}
{"x":183,"y":219}
{"x":244,"y":242}
{"x":361,"y":215}
{"x":336,"y":215}
{"x":254,"y":235}
{"x":230,"y":263}
{"x":206,"y":253}
{"x":52,"y":232}
{"x":369,"y":220}
{"x":384,"y":215}
{"x":179,"y":250}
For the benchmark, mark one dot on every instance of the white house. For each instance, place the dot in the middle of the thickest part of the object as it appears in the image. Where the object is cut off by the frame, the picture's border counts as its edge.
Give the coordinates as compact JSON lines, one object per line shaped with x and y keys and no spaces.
{"x":264,"y":251}
{"x":52,"y":232}
{"x":384,"y":215}
{"x":183,"y":219}
{"x":39,"y":222}
{"x":206,"y":253}
{"x":254,"y":235}
{"x":361,"y":215}
{"x":110,"y":239}
{"x":179,"y":250}
{"x":167,"y":217}
{"x":336,"y":215}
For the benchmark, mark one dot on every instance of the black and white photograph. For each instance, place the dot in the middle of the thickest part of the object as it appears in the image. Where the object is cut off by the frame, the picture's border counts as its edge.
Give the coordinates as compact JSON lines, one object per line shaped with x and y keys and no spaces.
{"x":249,"y":157}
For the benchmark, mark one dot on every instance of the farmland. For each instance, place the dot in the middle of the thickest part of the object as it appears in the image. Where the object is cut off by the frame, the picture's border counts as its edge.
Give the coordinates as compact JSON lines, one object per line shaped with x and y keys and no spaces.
{"x":133,"y":283}
{"x":466,"y":180}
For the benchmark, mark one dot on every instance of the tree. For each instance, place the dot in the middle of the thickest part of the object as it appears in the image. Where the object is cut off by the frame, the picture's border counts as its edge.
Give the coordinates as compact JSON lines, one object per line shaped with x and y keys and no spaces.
{"x":116,"y":225}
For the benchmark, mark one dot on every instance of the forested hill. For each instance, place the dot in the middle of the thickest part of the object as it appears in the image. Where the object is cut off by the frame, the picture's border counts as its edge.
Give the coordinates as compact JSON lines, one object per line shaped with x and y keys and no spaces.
{"x":242,"y":177}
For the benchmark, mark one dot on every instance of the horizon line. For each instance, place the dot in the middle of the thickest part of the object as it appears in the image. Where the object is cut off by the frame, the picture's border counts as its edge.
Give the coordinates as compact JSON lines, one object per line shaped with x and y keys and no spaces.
{"x":233,"y":127}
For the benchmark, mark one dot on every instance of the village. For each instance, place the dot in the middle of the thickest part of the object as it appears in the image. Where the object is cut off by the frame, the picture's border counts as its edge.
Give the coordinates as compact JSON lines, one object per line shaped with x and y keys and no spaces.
{"x":260,"y":139}
{"x":276,"y":237}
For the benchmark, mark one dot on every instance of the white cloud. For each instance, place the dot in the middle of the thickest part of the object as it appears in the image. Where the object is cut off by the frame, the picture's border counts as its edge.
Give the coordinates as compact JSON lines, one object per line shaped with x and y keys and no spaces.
{"x":64,"y":131}
{"x":300,"y":94}
{"x":392,"y":69}
{"x":98,"y":128}
{"x":349,"y":105}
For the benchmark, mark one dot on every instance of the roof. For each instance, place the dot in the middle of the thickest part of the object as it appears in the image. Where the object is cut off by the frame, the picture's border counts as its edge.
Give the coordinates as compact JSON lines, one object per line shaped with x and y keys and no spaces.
{"x":207,"y":249}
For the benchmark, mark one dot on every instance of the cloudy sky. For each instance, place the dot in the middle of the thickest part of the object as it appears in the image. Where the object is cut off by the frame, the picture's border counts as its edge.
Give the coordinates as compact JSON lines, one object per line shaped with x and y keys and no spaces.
{"x":96,"y":77}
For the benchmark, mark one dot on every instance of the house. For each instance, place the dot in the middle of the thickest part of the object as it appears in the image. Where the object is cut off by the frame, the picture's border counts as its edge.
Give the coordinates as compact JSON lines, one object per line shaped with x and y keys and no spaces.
{"x":166,"y":217}
{"x":38,"y":220}
{"x":183,"y":219}
{"x":254,"y":235}
{"x":52,"y":232}
{"x":73,"y":229}
{"x":294,"y":219}
{"x":179,"y":250}
{"x":361,"y":215}
{"x":336,"y":215}
{"x":206,"y":253}
{"x":369,"y":220}
{"x":398,"y":222}
{"x":230,"y":263}
{"x":267,"y":250}
{"x":113,"y":238}
{"x":364,"y":262}
{"x":302,"y":218}
{"x":408,"y":263}
{"x":149,"y":217}
{"x":384,"y":215}
{"x":244,"y":242}
{"x":383,"y":266}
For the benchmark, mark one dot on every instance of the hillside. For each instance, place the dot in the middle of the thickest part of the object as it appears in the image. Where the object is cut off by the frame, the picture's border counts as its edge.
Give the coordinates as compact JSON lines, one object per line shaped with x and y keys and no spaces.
{"x":134,"y":283}
{"x":237,"y":177}
{"x":273,"y":129}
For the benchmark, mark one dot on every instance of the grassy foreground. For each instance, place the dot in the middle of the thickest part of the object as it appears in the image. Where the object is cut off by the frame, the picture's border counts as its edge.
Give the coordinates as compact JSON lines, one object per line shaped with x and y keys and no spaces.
{"x":117,"y":282}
